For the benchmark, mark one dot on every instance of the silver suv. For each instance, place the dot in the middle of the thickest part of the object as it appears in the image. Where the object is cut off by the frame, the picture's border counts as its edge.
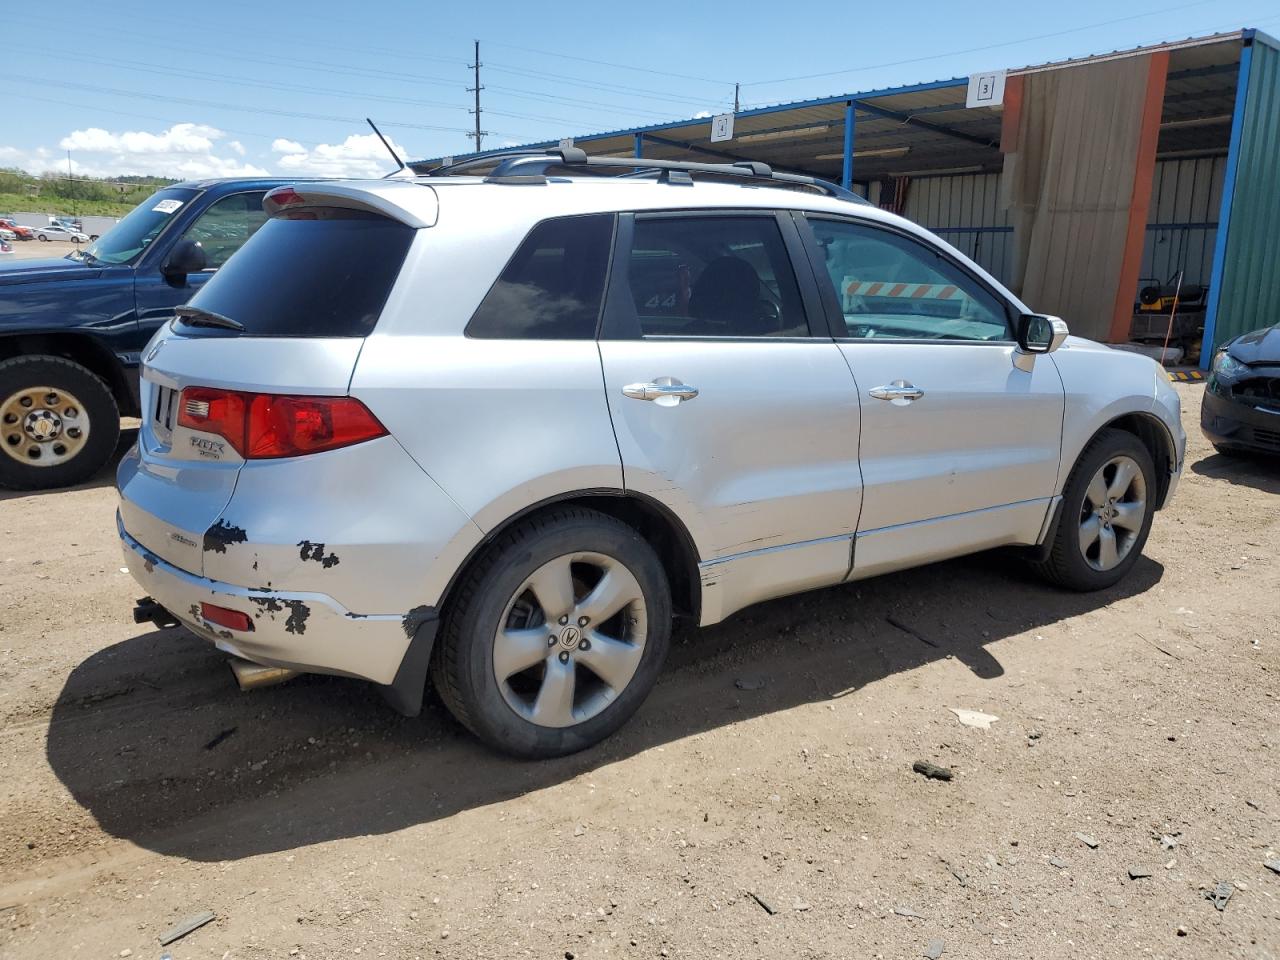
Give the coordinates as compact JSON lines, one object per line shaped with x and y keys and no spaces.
{"x":501,"y":425}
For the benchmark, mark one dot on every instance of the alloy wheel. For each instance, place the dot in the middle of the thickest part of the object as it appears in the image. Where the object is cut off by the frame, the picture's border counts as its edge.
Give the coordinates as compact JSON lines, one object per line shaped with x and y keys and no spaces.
{"x":570,"y":639}
{"x":1114,"y":508}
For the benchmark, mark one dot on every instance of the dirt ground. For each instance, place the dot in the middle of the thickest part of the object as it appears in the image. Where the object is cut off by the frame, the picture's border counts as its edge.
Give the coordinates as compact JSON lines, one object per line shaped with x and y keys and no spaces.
{"x":771,"y":766}
{"x":34,"y":249}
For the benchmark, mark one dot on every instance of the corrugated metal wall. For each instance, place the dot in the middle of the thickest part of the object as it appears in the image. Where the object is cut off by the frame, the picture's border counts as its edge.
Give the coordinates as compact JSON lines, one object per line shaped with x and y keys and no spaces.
{"x":1249,"y":284}
{"x":965,"y":210}
{"x":1183,"y":223}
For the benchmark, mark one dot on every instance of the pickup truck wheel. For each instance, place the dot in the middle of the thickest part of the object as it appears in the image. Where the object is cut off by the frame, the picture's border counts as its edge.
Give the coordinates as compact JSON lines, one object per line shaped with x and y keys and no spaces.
{"x":1107,"y":508}
{"x":556,"y":635}
{"x":58,"y":423}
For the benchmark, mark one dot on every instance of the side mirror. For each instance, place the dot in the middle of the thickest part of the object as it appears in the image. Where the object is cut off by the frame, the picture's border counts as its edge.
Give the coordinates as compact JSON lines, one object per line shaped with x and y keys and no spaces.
{"x":185,"y":258}
{"x":1040,"y":334}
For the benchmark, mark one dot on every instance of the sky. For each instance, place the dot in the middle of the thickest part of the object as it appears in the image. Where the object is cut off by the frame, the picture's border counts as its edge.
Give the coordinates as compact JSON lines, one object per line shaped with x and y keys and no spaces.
{"x":242,"y":88}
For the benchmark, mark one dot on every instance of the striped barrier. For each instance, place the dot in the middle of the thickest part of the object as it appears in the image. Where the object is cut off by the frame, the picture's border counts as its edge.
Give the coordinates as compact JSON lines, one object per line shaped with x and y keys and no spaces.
{"x":905,"y":291}
{"x":1185,"y":376}
{"x":887,"y":289}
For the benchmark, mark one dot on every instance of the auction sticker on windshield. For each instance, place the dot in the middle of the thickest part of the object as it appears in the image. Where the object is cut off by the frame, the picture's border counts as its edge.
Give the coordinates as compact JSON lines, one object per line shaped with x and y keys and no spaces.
{"x":167,"y":206}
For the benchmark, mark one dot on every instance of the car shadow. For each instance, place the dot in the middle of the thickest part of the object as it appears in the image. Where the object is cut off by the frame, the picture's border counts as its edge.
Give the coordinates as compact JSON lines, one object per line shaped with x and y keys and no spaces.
{"x":105,"y":476}
{"x":152,"y":738}
{"x":1260,"y":471}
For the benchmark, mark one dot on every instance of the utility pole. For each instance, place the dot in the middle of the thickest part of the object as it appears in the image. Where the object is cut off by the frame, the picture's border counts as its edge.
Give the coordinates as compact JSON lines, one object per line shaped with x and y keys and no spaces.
{"x":735,"y":97}
{"x":71,"y":185}
{"x":479,"y":134}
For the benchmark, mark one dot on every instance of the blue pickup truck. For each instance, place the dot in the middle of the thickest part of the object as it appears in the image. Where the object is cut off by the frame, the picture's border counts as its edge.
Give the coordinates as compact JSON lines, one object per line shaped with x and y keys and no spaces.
{"x":71,"y":329}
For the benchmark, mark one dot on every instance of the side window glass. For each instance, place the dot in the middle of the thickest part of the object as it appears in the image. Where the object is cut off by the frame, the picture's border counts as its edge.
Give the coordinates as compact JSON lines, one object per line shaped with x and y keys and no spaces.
{"x":889,"y":285}
{"x":552,"y":287}
{"x":714,"y":277}
{"x":226,"y":225}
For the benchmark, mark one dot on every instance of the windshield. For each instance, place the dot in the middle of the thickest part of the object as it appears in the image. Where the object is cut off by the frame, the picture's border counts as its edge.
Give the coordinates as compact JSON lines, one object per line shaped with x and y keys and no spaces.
{"x":128,"y":238}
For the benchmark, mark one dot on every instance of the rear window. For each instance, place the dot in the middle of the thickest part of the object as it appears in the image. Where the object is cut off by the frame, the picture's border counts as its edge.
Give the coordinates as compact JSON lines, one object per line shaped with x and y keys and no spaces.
{"x":324,"y":276}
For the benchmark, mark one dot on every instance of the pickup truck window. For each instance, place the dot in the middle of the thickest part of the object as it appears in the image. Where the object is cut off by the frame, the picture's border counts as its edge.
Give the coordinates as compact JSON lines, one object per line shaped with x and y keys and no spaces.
{"x":125,"y":242}
{"x":226,"y":225}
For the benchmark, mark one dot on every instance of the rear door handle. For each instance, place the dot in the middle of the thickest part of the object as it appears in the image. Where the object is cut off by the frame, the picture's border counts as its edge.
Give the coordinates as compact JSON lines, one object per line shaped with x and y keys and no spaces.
{"x":666,"y":391}
{"x":899,"y":393}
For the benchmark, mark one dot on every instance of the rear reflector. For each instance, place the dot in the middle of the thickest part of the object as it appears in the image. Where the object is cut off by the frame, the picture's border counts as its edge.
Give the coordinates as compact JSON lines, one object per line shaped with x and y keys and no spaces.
{"x":264,"y":426}
{"x":231,"y":619}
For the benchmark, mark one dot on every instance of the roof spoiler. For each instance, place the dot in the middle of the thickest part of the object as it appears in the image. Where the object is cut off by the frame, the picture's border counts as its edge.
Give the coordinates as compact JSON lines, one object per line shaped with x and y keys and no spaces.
{"x":379,"y":200}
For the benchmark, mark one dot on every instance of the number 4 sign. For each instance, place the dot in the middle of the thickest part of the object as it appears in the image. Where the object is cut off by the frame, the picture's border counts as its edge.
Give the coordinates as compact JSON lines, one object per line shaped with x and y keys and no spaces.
{"x":722,"y":128}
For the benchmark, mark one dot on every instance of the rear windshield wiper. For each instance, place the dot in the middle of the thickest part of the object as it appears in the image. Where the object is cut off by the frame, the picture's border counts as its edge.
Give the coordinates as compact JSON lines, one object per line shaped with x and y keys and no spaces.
{"x":198,"y":317}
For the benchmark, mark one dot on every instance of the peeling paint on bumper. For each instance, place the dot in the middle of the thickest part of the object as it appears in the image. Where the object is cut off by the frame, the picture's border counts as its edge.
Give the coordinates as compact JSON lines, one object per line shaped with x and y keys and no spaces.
{"x":309,"y":632}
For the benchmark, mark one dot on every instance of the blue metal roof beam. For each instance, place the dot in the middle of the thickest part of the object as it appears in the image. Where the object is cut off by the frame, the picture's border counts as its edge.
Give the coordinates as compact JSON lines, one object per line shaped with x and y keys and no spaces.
{"x":704,"y":151}
{"x":925,"y":125}
{"x":757,"y":112}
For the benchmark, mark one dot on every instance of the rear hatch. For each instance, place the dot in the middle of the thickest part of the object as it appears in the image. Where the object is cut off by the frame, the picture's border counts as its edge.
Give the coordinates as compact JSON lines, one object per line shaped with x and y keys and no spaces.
{"x":286,"y":318}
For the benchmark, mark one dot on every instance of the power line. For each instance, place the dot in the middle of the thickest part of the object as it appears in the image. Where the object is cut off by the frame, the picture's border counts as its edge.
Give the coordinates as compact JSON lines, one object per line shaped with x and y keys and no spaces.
{"x":607,"y":63}
{"x":246,"y":82}
{"x":638,"y":93}
{"x":140,"y":116}
{"x":189,"y":101}
{"x":990,"y":46}
{"x":574,"y":81}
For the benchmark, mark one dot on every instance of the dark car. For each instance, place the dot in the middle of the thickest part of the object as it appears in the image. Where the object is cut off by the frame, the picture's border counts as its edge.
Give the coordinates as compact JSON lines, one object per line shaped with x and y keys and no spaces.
{"x":1241,"y":410}
{"x":72,"y":328}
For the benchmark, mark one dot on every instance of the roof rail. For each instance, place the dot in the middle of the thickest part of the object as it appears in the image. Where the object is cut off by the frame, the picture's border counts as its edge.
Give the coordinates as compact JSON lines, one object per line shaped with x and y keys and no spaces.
{"x":531,"y":166}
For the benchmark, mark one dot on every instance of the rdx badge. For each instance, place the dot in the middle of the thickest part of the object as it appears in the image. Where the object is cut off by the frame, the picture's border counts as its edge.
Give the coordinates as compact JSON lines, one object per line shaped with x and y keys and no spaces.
{"x":209,"y":448}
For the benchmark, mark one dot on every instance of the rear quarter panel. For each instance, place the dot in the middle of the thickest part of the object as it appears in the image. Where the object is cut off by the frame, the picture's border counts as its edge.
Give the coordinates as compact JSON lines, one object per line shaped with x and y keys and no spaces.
{"x":498,"y":424}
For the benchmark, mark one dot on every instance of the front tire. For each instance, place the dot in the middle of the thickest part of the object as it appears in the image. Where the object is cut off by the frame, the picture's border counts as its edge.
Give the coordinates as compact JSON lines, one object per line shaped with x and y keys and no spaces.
{"x":42,"y":238}
{"x":1107,"y":508}
{"x":556,"y":635}
{"x":59,"y":423}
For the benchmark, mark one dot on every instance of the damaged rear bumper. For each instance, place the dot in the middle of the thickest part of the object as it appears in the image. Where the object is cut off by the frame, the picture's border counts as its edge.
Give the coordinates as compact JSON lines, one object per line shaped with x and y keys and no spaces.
{"x":307,"y":632}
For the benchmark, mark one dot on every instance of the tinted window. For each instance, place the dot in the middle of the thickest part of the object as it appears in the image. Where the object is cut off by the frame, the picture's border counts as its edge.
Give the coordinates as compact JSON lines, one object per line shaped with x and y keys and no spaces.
{"x":322,"y":277}
{"x":226,"y":225}
{"x":714,"y":276}
{"x":551,"y":289}
{"x":889,"y":285}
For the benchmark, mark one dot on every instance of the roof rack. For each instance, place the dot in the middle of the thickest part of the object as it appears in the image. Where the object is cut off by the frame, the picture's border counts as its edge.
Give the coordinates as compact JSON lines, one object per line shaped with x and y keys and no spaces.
{"x":531,"y":166}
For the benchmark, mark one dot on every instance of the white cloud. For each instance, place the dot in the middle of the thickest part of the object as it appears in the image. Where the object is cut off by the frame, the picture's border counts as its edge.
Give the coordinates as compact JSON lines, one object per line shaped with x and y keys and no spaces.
{"x":702,"y":115}
{"x":180,"y":138}
{"x":197,"y":151}
{"x":191,"y":150}
{"x":360,"y":155}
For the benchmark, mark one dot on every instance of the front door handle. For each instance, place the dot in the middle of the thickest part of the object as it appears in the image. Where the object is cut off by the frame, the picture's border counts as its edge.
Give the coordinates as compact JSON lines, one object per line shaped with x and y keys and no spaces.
{"x":899,"y":393}
{"x":665,"y":391}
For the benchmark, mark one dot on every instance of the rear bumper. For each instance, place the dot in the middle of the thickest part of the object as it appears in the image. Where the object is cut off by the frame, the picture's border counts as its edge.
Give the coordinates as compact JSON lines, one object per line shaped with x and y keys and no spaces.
{"x":1230,"y":423}
{"x":309,"y":632}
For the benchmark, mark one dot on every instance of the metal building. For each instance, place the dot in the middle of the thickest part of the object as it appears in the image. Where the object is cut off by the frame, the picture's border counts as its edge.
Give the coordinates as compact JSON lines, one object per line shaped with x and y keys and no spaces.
{"x":1091,"y":186}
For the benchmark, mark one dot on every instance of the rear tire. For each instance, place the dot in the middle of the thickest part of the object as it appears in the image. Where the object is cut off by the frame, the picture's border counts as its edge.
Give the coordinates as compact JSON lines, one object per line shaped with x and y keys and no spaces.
{"x":568,"y":684}
{"x":1107,"y":507}
{"x":80,"y":428}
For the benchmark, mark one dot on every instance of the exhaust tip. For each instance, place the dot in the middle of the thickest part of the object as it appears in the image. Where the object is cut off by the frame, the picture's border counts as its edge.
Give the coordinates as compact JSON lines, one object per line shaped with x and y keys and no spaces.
{"x":251,"y":676}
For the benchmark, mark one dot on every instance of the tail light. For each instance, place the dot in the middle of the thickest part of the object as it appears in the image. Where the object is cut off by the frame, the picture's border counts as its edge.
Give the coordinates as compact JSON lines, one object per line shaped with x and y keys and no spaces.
{"x":264,"y":426}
